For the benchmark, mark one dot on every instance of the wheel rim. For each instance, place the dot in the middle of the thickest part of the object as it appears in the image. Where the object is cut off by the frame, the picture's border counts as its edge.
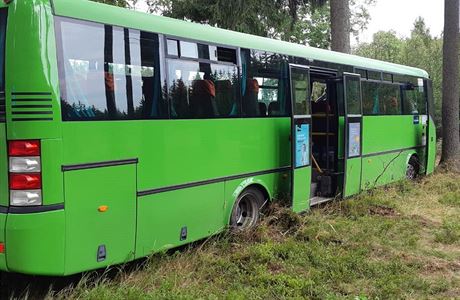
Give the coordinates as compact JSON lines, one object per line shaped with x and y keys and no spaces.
{"x":246,"y":211}
{"x":410,"y":172}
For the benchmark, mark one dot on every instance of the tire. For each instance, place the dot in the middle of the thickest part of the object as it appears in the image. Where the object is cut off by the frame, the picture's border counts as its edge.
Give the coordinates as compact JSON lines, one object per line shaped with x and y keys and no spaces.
{"x":413,"y":168}
{"x":246,"y":210}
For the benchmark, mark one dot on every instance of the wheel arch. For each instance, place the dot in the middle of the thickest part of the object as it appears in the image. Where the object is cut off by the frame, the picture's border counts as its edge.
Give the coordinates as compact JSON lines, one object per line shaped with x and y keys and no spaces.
{"x":255,"y":182}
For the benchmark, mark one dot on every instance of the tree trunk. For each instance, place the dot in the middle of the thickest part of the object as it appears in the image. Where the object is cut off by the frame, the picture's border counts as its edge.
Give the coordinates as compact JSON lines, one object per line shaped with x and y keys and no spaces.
{"x":450,"y":87}
{"x":340,"y":25}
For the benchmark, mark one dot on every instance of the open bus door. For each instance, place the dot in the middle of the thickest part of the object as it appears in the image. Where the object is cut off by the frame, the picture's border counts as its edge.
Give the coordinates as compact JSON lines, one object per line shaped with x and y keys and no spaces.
{"x":431,"y":129}
{"x":300,"y":137}
{"x":353,"y":134}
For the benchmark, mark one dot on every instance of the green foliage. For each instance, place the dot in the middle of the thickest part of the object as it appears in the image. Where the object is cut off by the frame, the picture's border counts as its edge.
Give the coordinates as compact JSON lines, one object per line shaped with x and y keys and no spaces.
{"x":299,"y":21}
{"x":421,"y":50}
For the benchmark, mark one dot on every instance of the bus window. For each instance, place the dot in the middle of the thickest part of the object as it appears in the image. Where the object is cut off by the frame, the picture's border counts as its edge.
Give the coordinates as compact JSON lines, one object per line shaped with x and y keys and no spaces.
{"x":392,"y":99}
{"x":353,"y":101}
{"x":372,"y":102}
{"x":173,"y":48}
{"x":264,"y":84}
{"x":191,"y":98}
{"x":381,"y":98}
{"x":414,"y":101}
{"x":188,"y":49}
{"x":108,"y":73}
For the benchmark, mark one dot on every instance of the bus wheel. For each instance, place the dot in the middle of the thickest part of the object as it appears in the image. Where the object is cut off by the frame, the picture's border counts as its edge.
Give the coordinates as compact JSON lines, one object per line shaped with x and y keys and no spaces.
{"x":246,"y":211}
{"x":412,"y":168}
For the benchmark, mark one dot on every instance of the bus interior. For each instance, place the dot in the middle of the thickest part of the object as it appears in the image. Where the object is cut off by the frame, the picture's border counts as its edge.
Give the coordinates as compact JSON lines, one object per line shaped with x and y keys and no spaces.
{"x":326,"y":167}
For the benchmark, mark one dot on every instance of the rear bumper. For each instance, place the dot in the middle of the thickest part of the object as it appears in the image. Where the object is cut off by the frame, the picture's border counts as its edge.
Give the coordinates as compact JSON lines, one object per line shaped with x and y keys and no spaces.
{"x":34,"y":242}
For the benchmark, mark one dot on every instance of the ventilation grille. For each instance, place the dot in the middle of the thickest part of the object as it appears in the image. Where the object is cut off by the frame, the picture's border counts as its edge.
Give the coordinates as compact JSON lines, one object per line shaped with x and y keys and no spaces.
{"x":31,"y":106}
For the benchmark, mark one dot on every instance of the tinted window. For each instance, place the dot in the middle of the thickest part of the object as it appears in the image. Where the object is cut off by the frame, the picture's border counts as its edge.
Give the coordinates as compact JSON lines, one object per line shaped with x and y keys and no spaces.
{"x":300,"y":81}
{"x":173,"y":48}
{"x":108,"y":73}
{"x":264,"y":84}
{"x":381,"y":98}
{"x":188,"y":49}
{"x":353,"y":95}
{"x":202,"y":90}
{"x":414,"y":101}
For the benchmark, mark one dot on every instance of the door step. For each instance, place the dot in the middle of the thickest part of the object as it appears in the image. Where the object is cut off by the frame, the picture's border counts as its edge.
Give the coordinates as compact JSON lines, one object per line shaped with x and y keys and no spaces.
{"x":319,"y":200}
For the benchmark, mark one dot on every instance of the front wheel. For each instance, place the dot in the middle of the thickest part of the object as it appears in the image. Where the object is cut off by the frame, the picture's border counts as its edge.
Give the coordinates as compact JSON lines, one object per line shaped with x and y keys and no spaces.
{"x":412,"y":168}
{"x":246,"y":211}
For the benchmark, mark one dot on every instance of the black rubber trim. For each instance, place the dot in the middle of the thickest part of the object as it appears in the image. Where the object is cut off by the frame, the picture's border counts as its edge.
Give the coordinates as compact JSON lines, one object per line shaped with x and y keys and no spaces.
{"x":209,"y":181}
{"x":31,"y":106}
{"x":34,"y":209}
{"x":31,"y":119}
{"x":392,"y":151}
{"x":32,"y":112}
{"x":30,"y":93}
{"x":33,"y":99}
{"x":3,"y":209}
{"x":100,"y":164}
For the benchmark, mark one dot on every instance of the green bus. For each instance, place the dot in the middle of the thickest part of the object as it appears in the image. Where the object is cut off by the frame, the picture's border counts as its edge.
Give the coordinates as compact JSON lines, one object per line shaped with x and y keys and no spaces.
{"x":123,"y":134}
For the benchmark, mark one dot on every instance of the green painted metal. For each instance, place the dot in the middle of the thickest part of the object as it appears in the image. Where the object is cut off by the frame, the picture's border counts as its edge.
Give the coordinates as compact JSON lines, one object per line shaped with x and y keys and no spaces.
{"x":352,"y":177}
{"x":86,"y":191}
{"x":383,"y":169}
{"x":162,"y":217}
{"x":170,"y":153}
{"x":4,"y":195}
{"x":301,"y":194}
{"x":385,"y":133}
{"x":35,"y":243}
{"x":173,"y":152}
{"x":2,"y":240}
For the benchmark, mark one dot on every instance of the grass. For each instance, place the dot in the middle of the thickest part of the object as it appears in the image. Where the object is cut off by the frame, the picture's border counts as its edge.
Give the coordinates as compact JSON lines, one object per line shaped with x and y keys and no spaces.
{"x":400,"y":241}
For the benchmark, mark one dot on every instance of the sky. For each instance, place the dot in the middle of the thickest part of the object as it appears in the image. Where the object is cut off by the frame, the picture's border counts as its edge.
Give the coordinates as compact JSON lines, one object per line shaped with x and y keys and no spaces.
{"x":397,"y":15}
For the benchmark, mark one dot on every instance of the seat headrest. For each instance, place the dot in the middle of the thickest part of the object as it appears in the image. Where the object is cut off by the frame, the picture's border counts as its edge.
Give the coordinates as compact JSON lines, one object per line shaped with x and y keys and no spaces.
{"x":223,"y":85}
{"x":204,"y":87}
{"x":252,"y":85}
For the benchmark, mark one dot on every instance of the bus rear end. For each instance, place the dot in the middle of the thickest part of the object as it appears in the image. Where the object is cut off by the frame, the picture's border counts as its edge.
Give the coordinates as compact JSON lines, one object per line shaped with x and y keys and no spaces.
{"x":31,"y":198}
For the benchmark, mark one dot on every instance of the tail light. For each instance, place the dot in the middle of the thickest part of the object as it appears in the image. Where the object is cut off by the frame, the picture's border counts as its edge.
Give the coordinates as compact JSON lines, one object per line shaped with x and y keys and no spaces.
{"x":25,"y":173}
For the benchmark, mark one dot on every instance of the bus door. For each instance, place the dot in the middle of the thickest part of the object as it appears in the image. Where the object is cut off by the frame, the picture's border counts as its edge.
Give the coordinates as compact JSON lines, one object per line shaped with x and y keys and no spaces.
{"x":353,"y":134}
{"x":300,"y":137}
{"x":431,"y":129}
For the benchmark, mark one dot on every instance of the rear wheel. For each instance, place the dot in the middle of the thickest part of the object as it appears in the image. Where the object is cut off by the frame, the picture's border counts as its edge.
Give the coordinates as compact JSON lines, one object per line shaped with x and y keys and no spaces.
{"x":413,"y":168}
{"x":246,"y":211}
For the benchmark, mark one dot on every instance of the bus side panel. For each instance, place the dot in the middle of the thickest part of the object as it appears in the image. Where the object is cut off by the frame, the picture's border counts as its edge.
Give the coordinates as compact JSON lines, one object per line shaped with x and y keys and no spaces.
{"x":31,"y":72}
{"x":100,"y":207}
{"x":174,"y":152}
{"x":35,"y":243}
{"x":384,"y":134}
{"x":173,"y":218}
{"x":383,"y":169}
{"x":4,"y":195}
{"x":2,"y":240}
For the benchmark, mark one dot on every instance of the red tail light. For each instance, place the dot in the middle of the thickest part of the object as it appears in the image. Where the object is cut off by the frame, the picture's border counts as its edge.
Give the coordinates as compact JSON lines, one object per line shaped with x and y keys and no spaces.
{"x":25,"y":181}
{"x":24,"y":148}
{"x":2,"y":248}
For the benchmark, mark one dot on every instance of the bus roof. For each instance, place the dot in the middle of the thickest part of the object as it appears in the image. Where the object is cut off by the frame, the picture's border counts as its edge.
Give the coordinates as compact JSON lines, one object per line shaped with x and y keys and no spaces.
{"x":93,"y":11}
